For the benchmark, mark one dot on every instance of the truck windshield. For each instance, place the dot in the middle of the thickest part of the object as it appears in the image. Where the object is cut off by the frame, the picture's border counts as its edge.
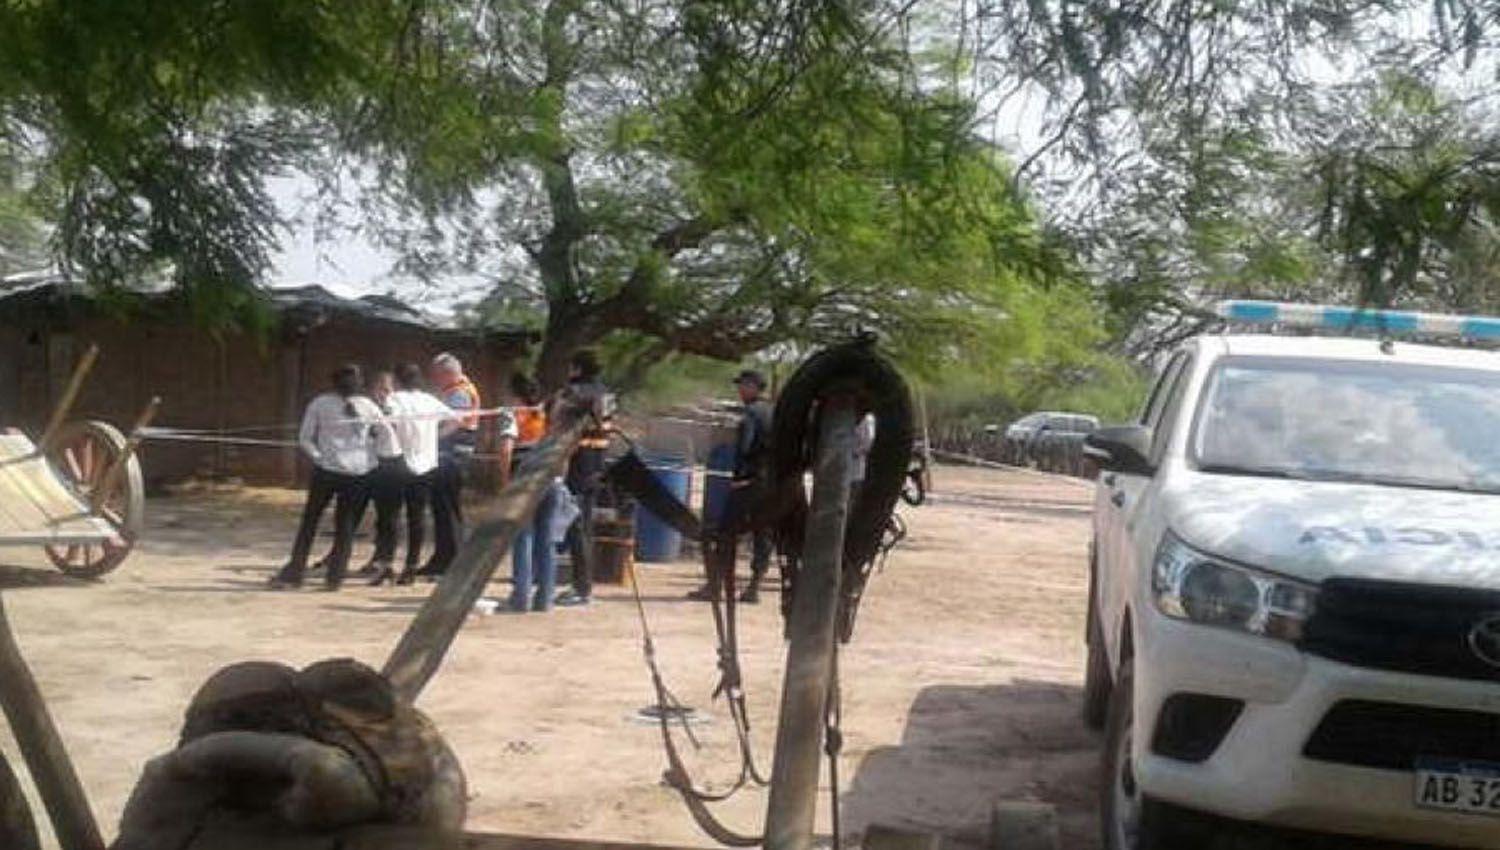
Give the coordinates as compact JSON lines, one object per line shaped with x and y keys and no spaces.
{"x":1379,"y":423}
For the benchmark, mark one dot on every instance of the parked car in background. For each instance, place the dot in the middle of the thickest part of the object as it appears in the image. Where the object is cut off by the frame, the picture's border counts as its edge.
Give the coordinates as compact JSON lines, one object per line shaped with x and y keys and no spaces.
{"x":1294,"y":612}
{"x":1021,"y":436}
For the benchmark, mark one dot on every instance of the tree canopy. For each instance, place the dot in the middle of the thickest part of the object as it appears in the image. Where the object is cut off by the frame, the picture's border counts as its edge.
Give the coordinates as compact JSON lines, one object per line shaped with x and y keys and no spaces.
{"x":1307,"y":150}
{"x":713,"y":177}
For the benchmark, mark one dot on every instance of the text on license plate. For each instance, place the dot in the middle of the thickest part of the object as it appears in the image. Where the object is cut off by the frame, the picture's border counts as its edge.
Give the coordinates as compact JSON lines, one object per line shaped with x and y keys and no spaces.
{"x":1459,"y":787}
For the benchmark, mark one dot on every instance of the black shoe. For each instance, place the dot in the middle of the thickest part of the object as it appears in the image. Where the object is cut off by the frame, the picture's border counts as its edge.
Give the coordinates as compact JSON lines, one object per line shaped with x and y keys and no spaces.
{"x":285,"y":579}
{"x":751,"y":596}
{"x":408,"y":577}
{"x":432,"y":571}
{"x":702,"y":594}
{"x":320,"y":564}
{"x":383,"y":575}
{"x":373,"y":568}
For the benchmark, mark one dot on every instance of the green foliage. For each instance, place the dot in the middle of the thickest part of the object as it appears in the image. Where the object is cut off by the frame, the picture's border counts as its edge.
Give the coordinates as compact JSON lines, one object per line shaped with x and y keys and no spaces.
{"x":1306,"y":149}
{"x":680,"y":379}
{"x":153,"y":127}
{"x":1106,"y":386}
{"x":719,"y":181}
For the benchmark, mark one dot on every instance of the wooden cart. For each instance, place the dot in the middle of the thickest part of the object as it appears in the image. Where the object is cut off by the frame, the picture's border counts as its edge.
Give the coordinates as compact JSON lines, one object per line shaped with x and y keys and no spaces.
{"x":76,"y":491}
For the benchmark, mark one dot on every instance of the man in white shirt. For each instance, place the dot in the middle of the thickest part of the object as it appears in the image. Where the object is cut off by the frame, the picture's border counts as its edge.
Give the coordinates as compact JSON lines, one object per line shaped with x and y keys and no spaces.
{"x":420,"y":420}
{"x":337,"y":436}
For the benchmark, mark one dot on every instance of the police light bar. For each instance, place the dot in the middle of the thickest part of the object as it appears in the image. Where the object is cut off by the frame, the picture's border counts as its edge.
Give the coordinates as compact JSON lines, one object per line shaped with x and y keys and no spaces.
{"x":1356,"y":318}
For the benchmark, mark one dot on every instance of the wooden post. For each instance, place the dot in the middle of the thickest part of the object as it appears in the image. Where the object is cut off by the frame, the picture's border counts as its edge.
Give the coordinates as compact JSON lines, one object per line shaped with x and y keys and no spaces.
{"x":132,"y":441}
{"x":420,"y":651}
{"x":792,"y":811}
{"x":69,"y":396}
{"x":42,"y":747}
{"x":17,"y":827}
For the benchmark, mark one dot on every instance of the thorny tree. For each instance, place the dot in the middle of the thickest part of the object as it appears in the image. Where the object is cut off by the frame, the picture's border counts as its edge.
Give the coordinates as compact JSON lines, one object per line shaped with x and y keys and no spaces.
{"x":1324,"y":149}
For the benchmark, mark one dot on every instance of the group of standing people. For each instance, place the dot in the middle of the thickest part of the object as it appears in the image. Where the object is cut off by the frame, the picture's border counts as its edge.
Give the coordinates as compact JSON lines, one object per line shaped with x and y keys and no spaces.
{"x":405,"y":447}
{"x":565,"y":515}
{"x":397,"y":444}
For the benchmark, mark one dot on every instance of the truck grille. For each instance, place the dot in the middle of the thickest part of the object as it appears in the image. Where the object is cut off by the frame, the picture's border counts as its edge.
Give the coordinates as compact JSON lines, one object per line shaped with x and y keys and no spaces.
{"x":1393,"y":736}
{"x":1412,"y":628}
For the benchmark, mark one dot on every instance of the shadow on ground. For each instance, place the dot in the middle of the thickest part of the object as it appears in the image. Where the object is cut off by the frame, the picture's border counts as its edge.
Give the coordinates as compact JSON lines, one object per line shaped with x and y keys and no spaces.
{"x":967,"y":747}
{"x":14,"y":577}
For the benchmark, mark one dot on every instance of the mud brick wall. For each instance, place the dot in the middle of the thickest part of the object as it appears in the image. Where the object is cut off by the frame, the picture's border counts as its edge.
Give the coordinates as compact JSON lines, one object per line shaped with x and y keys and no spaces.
{"x":232,"y":382}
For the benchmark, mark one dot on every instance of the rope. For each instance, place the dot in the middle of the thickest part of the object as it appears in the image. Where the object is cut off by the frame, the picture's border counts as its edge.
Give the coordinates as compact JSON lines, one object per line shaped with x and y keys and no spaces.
{"x":669,"y":706}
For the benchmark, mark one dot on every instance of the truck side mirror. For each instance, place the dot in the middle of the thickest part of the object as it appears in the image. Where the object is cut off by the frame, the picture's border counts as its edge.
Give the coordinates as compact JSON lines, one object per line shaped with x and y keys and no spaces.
{"x":1125,"y":449}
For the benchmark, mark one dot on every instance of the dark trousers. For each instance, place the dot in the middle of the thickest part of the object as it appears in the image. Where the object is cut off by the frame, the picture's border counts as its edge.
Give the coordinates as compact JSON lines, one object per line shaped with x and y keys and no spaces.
{"x":738,"y":515}
{"x":581,"y":544}
{"x":387,"y":488}
{"x":447,"y":512}
{"x":416,"y":493}
{"x":326,"y":486}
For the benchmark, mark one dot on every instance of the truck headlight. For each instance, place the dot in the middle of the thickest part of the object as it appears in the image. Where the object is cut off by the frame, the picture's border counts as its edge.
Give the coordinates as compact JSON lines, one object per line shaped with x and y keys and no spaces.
{"x":1190,"y":585}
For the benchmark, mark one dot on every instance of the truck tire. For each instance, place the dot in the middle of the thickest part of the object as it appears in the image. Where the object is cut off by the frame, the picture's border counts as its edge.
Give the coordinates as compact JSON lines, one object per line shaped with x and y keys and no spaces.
{"x":1129,"y":820}
{"x":1096,"y":679}
{"x":1097,"y":682}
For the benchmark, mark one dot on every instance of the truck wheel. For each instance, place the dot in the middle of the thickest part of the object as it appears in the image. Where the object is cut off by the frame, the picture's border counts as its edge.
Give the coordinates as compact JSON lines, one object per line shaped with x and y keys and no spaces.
{"x":1130,"y":820}
{"x":1096,"y":683}
{"x":1096,"y":678}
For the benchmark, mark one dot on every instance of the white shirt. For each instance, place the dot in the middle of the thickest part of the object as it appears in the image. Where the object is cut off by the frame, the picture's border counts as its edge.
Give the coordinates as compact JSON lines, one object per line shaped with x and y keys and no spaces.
{"x":387,"y":443}
{"x":332,"y":440}
{"x":418,"y":436}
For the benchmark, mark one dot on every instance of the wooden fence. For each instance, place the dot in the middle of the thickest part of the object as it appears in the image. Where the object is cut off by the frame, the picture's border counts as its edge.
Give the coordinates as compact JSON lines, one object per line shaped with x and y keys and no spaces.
{"x":1054,"y":452}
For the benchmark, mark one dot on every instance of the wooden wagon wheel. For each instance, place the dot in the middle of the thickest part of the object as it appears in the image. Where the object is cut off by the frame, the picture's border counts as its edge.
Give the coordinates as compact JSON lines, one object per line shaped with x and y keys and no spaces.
{"x":82,"y":454}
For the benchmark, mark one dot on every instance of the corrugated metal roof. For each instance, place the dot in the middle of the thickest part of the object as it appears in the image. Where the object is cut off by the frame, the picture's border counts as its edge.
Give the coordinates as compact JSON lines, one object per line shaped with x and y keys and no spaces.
{"x":310,"y":297}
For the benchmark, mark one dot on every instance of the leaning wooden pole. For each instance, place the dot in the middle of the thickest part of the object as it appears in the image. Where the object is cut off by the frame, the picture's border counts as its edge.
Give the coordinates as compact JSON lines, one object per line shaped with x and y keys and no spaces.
{"x":65,"y":401}
{"x":17,"y":826}
{"x":419,"y":653}
{"x":132,"y":443}
{"x":792,"y":811}
{"x":42,"y":747}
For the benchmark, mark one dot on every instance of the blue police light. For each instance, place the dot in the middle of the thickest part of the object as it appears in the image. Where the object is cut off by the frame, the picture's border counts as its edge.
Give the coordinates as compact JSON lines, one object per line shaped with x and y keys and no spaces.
{"x":1354,"y":318}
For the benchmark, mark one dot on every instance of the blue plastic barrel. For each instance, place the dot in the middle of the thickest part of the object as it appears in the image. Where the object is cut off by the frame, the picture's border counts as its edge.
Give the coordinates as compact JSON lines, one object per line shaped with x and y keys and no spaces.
{"x":656,"y":542}
{"x":716,"y":484}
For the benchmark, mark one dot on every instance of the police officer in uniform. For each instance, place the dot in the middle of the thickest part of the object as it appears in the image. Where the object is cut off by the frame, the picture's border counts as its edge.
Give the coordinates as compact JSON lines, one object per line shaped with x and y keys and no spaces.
{"x":752,"y":478}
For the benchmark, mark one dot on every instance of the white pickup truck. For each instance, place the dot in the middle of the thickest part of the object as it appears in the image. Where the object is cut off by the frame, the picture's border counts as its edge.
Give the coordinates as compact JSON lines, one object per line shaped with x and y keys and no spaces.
{"x":1294,"y":615}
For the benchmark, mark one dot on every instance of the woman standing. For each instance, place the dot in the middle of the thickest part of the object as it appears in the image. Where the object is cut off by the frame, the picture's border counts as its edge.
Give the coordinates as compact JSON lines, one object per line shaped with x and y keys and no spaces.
{"x":337,"y":436}
{"x":534,"y":553}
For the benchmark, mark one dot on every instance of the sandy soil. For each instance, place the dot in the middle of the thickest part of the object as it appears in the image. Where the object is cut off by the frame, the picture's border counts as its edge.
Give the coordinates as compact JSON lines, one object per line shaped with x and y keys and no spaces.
{"x":961,"y":686}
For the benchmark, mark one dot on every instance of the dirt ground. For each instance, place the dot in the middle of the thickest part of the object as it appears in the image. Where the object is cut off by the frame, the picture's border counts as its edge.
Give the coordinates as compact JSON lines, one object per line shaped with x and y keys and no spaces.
{"x":961,"y":686}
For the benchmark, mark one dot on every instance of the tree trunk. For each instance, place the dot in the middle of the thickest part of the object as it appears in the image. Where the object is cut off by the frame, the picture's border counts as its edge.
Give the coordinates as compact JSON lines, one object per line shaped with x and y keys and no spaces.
{"x":568,"y":331}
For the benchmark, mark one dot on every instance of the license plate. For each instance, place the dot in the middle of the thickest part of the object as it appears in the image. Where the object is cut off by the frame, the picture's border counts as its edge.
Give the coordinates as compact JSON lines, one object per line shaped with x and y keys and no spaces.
{"x":1469,"y":787}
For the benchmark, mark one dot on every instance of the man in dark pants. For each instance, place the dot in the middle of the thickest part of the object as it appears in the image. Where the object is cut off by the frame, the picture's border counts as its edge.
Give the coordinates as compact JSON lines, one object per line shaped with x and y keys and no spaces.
{"x":455,"y":448}
{"x":752,"y":476}
{"x":585,"y":471}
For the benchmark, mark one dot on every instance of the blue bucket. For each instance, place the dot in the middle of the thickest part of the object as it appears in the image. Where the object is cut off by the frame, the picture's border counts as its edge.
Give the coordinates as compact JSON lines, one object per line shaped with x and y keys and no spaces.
{"x":656,"y":542}
{"x":716,"y":484}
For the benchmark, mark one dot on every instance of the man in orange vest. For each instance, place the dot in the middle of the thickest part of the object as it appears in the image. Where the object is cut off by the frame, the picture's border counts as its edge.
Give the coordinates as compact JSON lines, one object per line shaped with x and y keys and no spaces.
{"x":455,"y":448}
